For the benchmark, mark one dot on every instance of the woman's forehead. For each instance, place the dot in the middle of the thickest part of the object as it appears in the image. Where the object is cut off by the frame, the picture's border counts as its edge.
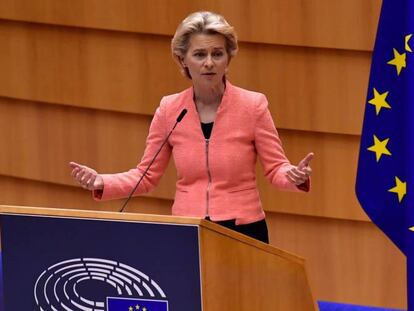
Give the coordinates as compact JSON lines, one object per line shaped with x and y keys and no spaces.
{"x":207,"y":41}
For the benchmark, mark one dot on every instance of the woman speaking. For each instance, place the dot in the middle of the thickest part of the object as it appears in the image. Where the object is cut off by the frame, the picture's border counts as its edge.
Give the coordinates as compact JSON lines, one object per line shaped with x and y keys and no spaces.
{"x":216,"y":145}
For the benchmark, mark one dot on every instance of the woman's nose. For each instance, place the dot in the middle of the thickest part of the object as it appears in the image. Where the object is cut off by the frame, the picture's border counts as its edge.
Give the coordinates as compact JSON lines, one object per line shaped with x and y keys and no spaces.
{"x":209,"y":62}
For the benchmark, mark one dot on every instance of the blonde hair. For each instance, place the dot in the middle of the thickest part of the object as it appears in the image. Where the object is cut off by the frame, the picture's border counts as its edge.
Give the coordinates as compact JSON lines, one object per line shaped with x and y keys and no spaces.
{"x":205,"y":23}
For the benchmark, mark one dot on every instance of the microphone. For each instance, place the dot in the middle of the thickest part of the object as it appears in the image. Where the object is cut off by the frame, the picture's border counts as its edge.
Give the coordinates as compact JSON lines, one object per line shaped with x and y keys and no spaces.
{"x":179,"y":118}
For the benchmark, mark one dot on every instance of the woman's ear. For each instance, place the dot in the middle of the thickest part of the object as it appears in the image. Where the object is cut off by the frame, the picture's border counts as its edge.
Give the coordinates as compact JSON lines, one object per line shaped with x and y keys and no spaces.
{"x":184,"y":69}
{"x":181,"y":61}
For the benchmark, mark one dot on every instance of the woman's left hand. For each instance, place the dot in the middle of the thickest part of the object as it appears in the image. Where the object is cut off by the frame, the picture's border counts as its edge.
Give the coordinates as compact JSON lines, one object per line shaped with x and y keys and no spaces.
{"x":298,"y":175}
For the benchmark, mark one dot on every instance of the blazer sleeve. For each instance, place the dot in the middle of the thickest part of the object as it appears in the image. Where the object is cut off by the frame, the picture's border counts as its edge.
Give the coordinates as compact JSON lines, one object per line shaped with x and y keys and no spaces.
{"x":269,"y":149}
{"x":120,"y":185}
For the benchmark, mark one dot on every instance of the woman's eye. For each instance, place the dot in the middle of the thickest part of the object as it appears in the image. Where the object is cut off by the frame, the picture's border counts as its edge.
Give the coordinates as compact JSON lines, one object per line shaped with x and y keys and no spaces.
{"x":199,"y":54}
{"x":217,"y":54}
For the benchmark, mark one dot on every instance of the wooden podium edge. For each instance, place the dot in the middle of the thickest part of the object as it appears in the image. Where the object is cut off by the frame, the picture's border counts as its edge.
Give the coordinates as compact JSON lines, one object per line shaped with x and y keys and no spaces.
{"x":135,"y":217}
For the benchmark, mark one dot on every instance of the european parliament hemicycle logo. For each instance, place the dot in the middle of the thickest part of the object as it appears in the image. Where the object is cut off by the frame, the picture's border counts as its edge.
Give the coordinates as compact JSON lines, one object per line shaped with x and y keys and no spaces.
{"x":67,"y":286}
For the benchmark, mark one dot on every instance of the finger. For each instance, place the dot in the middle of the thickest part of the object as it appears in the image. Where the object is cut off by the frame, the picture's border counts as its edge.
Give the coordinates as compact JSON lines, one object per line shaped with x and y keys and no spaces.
{"x":292,"y":174}
{"x":91,"y":182}
{"x":86,"y":177}
{"x":297,"y":180}
{"x":78,"y":175}
{"x":81,"y":173}
{"x":75,"y":172}
{"x":293,"y":181}
{"x":306,"y":160}
{"x":299,"y":173}
{"x":307,"y":170}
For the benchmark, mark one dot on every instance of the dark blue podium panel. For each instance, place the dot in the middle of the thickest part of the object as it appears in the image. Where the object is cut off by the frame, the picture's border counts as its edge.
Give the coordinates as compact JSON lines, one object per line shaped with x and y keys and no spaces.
{"x":67,"y":264}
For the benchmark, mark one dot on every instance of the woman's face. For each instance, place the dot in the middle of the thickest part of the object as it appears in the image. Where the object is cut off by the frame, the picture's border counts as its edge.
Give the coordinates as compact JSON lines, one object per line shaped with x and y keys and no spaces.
{"x":206,"y":59}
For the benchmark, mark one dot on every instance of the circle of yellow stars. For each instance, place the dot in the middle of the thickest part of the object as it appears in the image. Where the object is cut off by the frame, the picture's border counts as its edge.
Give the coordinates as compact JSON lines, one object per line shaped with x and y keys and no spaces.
{"x":380,"y":101}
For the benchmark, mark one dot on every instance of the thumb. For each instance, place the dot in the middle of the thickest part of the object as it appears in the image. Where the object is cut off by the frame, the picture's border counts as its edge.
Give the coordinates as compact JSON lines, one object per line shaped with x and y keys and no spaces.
{"x":306,"y":160}
{"x":74,"y":164}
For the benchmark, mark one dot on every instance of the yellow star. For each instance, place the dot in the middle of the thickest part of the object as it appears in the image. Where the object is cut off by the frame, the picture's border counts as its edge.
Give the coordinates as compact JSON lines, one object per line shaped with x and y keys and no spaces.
{"x":398,"y":61}
{"x":380,"y":147}
{"x":411,"y":228}
{"x":407,"y":38}
{"x":130,"y":308}
{"x":400,"y":188}
{"x":379,"y":101}
{"x":137,"y":307}
{"x":144,"y":309}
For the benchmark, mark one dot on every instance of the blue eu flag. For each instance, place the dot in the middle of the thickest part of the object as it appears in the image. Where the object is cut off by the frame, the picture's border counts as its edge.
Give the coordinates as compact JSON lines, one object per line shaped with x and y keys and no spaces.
{"x":385,"y":177}
{"x":135,"y":304}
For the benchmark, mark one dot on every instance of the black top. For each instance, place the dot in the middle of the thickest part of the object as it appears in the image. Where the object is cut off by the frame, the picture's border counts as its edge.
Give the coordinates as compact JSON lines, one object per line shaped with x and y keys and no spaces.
{"x":207,"y":128}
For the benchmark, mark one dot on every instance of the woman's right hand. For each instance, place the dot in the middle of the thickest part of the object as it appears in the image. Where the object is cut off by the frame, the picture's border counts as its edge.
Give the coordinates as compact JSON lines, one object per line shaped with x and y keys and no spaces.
{"x":87,"y":177}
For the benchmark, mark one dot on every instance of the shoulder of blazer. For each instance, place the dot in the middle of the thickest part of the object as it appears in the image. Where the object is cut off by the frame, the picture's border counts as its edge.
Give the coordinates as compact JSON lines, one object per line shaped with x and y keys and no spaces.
{"x":173,"y":104}
{"x":246,"y":100}
{"x":243,"y":93}
{"x":177,"y":98}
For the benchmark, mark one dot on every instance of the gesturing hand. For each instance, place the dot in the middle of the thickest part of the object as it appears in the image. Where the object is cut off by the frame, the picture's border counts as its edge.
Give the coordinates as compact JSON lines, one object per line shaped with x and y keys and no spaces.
{"x":87,"y":177}
{"x":301,"y":173}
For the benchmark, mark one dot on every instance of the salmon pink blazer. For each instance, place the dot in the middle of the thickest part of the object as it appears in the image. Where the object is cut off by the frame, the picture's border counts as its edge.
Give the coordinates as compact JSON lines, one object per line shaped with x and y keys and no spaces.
{"x":216,"y":177}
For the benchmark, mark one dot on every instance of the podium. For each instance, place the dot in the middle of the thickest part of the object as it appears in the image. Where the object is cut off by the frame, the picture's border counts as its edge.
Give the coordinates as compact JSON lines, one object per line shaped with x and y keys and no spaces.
{"x":77,"y":260}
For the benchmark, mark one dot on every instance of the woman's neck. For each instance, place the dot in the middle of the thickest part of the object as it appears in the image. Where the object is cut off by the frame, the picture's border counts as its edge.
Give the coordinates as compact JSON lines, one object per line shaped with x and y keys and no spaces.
{"x":207,"y":96}
{"x":207,"y":102}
